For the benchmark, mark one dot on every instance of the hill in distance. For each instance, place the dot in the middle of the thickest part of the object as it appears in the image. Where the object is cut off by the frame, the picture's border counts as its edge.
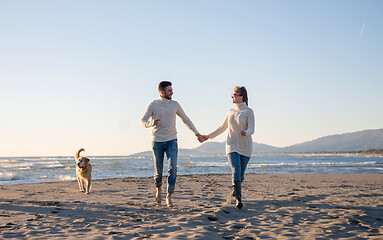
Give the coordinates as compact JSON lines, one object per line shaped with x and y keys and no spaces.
{"x":355,"y":141}
{"x":219,"y":147}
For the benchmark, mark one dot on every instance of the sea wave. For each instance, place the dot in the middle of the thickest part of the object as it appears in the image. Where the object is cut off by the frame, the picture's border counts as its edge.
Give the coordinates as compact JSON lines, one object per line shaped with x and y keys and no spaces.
{"x":8,"y":161}
{"x":342,"y":163}
{"x":9,"y":176}
{"x":54,"y":166}
{"x":53,"y":158}
{"x":265,"y":165}
{"x":209,"y":164}
{"x":32,"y":164}
{"x":310,"y":155}
{"x":49,"y":164}
{"x":53,"y":169}
{"x":67,"y":178}
{"x":123,"y":158}
{"x":16,"y":165}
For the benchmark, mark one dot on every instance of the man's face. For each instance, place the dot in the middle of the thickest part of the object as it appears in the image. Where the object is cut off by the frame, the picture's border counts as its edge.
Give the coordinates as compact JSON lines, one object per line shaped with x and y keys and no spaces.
{"x":167,"y":93}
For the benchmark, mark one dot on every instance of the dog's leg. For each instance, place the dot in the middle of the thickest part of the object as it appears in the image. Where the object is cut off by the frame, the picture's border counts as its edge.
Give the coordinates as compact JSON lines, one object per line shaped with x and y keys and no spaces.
{"x":82,"y":187}
{"x":83,"y":182}
{"x":79,"y":184}
{"x":88,"y":186}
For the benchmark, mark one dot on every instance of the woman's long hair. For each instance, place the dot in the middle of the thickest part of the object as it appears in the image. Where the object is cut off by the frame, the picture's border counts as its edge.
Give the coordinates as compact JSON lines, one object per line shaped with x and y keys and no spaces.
{"x":242,"y":92}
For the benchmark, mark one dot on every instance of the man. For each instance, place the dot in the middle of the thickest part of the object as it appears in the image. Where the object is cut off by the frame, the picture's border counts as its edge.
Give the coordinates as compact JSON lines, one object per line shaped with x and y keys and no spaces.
{"x":162,"y":114}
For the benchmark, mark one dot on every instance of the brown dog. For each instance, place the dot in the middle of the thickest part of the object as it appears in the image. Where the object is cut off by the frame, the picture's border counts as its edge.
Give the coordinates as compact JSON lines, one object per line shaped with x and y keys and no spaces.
{"x":83,"y":172}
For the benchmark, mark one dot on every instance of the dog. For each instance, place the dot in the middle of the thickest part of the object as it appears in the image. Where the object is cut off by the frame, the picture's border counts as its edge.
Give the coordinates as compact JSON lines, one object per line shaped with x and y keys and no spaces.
{"x":83,"y":172}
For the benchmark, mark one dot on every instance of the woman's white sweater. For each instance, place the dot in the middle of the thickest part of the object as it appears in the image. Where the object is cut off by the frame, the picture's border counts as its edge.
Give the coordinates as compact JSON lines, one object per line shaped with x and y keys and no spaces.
{"x":240,"y":118}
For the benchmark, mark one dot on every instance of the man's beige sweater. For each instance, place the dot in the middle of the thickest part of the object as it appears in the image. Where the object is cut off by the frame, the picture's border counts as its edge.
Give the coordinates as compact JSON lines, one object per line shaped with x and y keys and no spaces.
{"x":240,"y":118}
{"x":165,"y":110}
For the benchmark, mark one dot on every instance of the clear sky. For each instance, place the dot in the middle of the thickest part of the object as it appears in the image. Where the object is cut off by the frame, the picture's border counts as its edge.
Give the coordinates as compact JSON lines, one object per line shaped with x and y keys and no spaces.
{"x":81,"y":73}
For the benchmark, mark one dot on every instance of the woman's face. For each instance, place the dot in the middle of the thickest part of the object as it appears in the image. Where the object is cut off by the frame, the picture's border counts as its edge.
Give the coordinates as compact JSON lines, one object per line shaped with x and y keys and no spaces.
{"x":236,"y":97}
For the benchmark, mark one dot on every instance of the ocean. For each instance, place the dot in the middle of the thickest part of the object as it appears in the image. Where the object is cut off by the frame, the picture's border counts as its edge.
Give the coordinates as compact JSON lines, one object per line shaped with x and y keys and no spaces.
{"x":20,"y":170}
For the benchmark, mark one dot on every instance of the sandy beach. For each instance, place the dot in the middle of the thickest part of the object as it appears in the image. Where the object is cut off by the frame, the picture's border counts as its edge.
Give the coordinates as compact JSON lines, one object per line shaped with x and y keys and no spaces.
{"x":277,"y":206}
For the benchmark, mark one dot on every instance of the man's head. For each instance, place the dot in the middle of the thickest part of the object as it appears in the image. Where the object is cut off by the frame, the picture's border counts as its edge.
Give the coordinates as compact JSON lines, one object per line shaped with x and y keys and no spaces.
{"x":165,"y":89}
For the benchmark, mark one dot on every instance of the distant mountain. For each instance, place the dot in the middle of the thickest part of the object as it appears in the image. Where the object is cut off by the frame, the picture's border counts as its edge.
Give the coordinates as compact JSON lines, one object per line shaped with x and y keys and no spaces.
{"x":262,"y":148}
{"x":355,"y":141}
{"x":219,"y":147}
{"x":181,"y":151}
{"x":211,"y":147}
{"x":142,"y":154}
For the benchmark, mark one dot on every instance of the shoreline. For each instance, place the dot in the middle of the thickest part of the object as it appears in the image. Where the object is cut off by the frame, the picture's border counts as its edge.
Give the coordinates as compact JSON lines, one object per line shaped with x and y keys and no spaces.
{"x":362,"y":152}
{"x":277,"y":206}
{"x":202,"y":174}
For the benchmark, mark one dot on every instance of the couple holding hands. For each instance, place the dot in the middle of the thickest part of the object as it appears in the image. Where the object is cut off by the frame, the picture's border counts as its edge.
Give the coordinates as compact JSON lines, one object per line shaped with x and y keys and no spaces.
{"x":161,"y":116}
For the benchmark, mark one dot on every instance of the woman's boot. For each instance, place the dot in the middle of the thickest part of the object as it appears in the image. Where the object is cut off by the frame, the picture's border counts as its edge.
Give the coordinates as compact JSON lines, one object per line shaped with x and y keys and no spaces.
{"x":238,"y":193}
{"x":232,"y":194}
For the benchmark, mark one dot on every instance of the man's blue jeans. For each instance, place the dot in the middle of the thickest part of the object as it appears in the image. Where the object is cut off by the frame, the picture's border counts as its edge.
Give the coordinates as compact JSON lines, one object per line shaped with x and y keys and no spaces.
{"x":171,"y":150}
{"x":238,"y":164}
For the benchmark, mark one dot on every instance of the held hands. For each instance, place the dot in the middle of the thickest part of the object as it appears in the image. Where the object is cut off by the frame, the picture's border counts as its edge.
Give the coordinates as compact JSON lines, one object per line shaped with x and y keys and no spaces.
{"x":202,"y":138}
{"x":243,"y":133}
{"x":155,"y":123}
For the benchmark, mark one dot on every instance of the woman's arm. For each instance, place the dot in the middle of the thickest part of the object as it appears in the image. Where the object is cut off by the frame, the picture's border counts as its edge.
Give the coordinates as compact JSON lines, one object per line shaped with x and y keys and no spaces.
{"x":220,"y":129}
{"x":250,"y":123}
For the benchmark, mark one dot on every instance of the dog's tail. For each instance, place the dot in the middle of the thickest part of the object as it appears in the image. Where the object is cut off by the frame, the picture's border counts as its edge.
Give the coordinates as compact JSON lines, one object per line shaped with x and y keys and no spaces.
{"x":78,"y":153}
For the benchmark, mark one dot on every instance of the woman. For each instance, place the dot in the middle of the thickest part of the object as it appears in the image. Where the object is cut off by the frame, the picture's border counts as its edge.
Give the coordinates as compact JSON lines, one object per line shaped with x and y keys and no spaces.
{"x":241,"y":123}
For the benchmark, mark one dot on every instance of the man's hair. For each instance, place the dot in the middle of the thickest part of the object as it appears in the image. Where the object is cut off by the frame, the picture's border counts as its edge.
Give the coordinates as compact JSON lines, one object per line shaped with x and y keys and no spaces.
{"x":163,"y":85}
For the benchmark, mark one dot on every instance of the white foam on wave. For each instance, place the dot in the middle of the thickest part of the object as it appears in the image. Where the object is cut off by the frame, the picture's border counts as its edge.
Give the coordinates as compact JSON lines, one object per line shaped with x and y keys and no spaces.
{"x":210,"y":164}
{"x":53,"y":158}
{"x":342,"y":163}
{"x":309,"y":155}
{"x":16,"y":165}
{"x":8,"y":161}
{"x":29,"y":165}
{"x":366,"y":163}
{"x":49,"y":164}
{"x":8,"y":176}
{"x":54,"y":166}
{"x":67,"y":178}
{"x":266,"y":165}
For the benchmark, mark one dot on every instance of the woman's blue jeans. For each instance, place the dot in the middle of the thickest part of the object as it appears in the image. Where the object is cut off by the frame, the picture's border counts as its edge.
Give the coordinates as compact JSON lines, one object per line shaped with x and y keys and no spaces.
{"x":238,"y":164}
{"x":171,"y":150}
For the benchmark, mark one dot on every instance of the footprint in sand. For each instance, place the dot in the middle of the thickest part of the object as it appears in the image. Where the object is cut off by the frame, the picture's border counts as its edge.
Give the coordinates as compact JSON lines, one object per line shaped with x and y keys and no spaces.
{"x":212,"y":218}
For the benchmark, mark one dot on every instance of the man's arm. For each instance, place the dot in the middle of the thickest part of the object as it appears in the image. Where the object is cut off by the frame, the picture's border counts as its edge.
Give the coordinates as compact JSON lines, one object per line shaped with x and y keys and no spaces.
{"x":189,"y":124}
{"x":148,"y":114}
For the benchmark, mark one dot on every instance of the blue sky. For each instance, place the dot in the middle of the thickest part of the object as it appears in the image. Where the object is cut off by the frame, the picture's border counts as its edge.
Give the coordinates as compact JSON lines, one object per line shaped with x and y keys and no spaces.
{"x":81,"y":73}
